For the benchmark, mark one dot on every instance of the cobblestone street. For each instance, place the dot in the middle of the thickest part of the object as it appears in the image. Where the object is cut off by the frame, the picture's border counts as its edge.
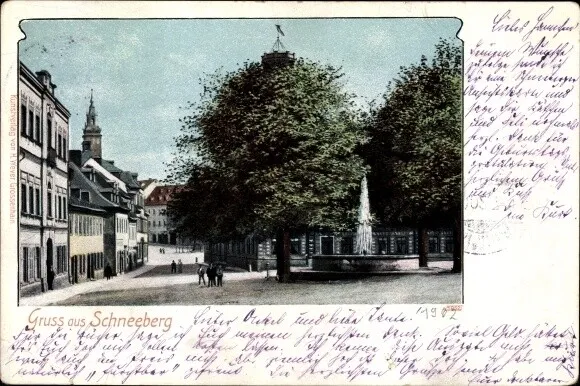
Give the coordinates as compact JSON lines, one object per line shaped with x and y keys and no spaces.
{"x":154,"y":284}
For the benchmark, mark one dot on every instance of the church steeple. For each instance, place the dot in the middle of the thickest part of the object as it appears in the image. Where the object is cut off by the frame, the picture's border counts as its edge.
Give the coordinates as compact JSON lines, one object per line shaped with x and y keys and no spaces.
{"x":92,"y":132}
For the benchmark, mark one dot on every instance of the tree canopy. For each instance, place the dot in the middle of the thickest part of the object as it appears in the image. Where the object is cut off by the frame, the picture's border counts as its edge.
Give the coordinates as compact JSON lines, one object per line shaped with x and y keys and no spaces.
{"x":265,"y":149}
{"x":415,"y":147}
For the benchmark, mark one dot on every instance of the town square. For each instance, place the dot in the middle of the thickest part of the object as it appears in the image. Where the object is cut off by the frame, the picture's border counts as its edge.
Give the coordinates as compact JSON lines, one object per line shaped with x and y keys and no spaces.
{"x":199,"y":162}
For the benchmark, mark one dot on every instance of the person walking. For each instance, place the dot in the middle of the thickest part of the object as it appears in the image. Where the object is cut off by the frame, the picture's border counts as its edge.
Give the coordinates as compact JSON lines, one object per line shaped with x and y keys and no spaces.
{"x":179,"y":266}
{"x":108,"y":271}
{"x":220,"y":275}
{"x":201,"y":273}
{"x":173,"y":267}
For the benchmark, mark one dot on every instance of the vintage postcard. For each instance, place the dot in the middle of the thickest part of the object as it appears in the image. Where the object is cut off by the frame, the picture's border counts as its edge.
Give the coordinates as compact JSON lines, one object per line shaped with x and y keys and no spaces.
{"x":289,"y":193}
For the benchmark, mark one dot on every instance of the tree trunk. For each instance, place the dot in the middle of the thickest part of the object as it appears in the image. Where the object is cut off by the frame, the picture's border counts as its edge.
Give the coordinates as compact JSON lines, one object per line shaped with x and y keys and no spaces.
{"x":283,"y":255}
{"x":457,"y":243}
{"x":423,"y":245}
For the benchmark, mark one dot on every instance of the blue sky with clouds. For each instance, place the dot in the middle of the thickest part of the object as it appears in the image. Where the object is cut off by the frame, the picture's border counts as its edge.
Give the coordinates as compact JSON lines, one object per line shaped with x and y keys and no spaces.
{"x":143,"y":72}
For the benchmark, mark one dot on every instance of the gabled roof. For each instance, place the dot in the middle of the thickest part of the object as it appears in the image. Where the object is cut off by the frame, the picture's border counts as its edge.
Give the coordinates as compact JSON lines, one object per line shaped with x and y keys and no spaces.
{"x":107,"y":176}
{"x":79,"y":181}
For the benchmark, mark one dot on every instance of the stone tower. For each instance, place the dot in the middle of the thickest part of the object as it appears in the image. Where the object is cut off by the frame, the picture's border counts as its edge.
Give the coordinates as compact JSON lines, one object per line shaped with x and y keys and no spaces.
{"x":92,"y":132}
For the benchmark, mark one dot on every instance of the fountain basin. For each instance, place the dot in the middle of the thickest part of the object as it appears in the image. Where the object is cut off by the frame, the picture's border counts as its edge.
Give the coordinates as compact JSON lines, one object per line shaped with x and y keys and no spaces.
{"x":363,"y":263}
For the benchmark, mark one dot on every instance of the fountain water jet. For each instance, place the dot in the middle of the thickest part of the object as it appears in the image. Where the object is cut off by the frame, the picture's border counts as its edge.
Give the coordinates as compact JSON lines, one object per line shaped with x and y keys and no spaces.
{"x":364,"y":233}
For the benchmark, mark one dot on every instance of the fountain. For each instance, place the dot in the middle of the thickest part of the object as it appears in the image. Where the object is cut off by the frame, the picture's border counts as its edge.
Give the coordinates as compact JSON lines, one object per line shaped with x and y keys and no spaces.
{"x":364,"y":233}
{"x":362,"y":259}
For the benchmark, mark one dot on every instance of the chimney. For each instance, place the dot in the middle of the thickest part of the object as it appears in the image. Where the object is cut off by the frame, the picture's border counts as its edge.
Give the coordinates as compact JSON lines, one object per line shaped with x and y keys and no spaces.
{"x":44,"y":77}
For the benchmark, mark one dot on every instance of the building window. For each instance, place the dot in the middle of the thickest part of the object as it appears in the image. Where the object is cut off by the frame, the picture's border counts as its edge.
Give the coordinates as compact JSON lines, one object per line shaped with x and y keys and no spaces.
{"x":64,"y":150}
{"x":31,"y":199}
{"x":30,"y":124}
{"x":23,"y":201}
{"x":24,"y":261}
{"x":64,"y":208}
{"x":449,"y":244}
{"x":433,"y":244}
{"x":38,"y":206}
{"x":37,"y":135}
{"x":383,"y":246}
{"x":38,"y":265}
{"x":401,"y":245}
{"x":49,"y":132}
{"x":85,"y":196}
{"x":23,"y":120}
{"x":61,"y":259}
{"x":59,"y":145}
{"x":49,"y":203}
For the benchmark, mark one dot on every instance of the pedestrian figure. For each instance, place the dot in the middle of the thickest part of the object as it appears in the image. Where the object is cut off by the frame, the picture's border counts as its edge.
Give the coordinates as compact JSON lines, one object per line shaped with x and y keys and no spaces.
{"x":50,"y":277}
{"x":108,"y":271}
{"x":220,"y":275}
{"x":179,"y":266}
{"x":160,"y":250}
{"x":201,"y":273}
{"x":173,"y":267}
{"x":210,"y":275}
{"x":214,"y":274}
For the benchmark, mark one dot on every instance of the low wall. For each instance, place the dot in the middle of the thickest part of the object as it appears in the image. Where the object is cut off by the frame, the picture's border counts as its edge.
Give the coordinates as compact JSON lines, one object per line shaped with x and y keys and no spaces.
{"x":369,"y":263}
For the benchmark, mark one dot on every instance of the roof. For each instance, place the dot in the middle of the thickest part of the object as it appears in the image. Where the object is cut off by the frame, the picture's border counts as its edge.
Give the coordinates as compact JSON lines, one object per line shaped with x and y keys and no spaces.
{"x":85,"y":205}
{"x":79,"y":181}
{"x":161,"y":195}
{"x":110,"y":166}
{"x":127,"y":178}
{"x":145,"y":183}
{"x":24,"y":71}
{"x":108,"y":179}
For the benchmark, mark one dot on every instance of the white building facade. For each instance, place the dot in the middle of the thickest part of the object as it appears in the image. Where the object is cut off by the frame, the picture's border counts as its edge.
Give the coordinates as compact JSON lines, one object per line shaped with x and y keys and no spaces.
{"x":43,"y":169}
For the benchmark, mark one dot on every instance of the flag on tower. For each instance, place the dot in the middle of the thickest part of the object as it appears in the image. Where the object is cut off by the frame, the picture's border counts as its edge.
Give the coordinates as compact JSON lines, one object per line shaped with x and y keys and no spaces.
{"x":279,"y":29}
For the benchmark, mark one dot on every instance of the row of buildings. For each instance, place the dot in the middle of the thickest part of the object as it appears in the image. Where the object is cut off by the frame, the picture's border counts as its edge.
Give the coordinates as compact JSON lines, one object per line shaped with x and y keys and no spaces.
{"x":78,"y":211}
{"x":323,"y":249}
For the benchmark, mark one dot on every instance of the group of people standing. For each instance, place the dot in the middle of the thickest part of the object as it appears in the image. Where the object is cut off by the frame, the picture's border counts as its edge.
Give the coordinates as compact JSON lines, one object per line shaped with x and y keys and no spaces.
{"x":213,"y":272}
{"x":177,"y":268}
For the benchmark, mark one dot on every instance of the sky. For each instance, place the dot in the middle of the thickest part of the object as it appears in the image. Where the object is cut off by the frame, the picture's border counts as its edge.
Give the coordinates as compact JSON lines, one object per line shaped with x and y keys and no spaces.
{"x":144,"y":72}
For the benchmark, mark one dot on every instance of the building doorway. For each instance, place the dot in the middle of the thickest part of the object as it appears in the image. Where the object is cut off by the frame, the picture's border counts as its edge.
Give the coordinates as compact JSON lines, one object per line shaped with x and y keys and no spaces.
{"x":49,"y":254}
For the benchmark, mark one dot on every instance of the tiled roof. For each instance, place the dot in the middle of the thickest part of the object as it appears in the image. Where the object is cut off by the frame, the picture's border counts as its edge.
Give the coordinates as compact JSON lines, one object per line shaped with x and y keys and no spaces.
{"x":161,"y":195}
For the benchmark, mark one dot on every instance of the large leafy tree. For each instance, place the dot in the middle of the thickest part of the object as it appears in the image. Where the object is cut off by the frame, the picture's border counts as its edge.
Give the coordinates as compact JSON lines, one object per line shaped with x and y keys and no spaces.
{"x":268,"y":150}
{"x":415,"y":148}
